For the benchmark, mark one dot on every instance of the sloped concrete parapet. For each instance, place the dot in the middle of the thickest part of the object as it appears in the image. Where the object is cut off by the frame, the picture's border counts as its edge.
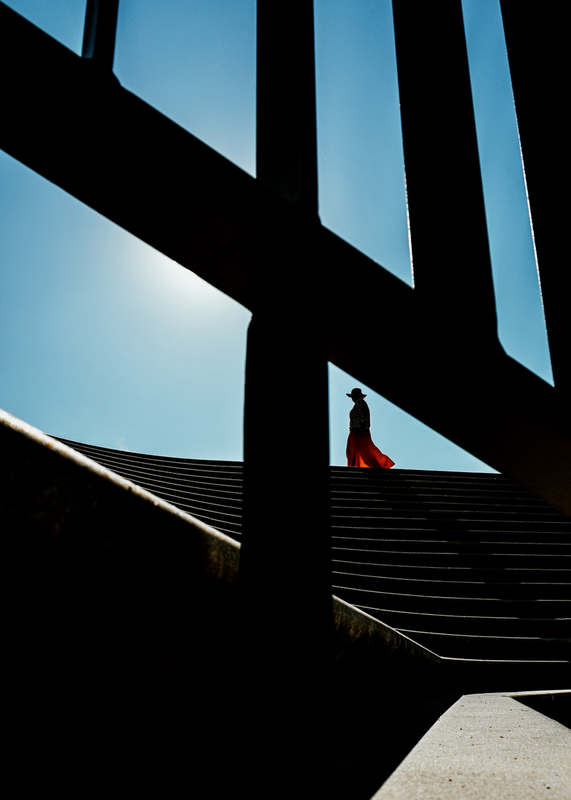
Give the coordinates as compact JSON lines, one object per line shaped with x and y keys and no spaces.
{"x":353,"y":625}
{"x":48,"y":485}
{"x":487,"y":746}
{"x":123,"y":625}
{"x":369,"y":654}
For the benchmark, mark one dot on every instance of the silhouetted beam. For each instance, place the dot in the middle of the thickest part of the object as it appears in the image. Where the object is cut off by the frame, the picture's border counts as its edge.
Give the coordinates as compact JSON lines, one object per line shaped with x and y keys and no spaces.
{"x":160,"y":183}
{"x":451,"y":258}
{"x":286,"y":136}
{"x":537,"y":44}
{"x":286,"y":338}
{"x":99,"y":32}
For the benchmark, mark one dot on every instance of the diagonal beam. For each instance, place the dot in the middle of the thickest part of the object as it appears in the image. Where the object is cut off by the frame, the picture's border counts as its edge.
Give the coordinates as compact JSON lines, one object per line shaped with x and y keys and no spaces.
{"x":178,"y":195}
{"x":79,"y":129}
{"x":444,"y":186}
{"x":537,"y":50}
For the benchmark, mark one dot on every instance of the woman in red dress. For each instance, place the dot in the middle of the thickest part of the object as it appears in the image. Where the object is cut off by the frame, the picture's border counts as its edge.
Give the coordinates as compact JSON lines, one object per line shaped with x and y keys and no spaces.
{"x":361,"y":452}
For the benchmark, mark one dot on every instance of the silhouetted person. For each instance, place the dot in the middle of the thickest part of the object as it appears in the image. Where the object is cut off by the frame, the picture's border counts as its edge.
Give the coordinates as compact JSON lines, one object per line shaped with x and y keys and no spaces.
{"x":361,"y":452}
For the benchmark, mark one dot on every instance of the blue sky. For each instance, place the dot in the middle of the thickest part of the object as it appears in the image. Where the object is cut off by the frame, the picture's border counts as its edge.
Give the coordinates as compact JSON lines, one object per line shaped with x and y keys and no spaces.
{"x":104,"y":340}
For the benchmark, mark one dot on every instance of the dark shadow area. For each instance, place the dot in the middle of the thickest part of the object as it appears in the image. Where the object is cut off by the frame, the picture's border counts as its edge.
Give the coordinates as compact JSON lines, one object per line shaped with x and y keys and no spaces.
{"x":555,"y":706}
{"x":375,"y":734}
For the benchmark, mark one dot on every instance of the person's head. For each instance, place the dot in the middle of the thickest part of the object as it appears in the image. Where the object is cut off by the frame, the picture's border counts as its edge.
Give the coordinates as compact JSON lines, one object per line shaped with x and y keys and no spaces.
{"x":356,"y":394}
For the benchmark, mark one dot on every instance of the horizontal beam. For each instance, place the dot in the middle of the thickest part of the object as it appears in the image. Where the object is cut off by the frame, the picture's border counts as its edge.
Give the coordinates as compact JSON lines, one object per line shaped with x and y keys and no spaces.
{"x":157,"y":181}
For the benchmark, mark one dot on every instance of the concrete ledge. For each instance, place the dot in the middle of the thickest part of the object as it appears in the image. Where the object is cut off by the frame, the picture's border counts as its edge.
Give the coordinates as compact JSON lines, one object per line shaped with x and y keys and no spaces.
{"x":487,"y":746}
{"x":46,"y":506}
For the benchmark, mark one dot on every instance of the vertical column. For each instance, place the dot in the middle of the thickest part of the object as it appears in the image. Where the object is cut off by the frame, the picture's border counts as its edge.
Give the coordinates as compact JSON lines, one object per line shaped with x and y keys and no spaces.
{"x":452,"y":268}
{"x":100,"y":31}
{"x":286,"y":146}
{"x":285,"y":561}
{"x":536,"y":41}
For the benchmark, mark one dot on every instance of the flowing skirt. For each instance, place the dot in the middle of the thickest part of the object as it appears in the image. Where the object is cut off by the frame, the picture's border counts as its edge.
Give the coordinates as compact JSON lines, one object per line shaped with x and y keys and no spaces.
{"x":361,"y":452}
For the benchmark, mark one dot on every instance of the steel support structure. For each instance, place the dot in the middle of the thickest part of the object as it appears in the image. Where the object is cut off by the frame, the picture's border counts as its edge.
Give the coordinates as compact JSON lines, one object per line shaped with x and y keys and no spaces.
{"x":203,"y":212}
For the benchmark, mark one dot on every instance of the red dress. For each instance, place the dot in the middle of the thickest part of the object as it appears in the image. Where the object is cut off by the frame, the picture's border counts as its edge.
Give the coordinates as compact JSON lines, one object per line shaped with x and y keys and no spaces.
{"x":361,"y":452}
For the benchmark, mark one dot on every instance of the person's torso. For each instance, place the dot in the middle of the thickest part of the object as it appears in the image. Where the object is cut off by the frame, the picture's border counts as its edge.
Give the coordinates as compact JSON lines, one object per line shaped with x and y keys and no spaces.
{"x":359,"y":416}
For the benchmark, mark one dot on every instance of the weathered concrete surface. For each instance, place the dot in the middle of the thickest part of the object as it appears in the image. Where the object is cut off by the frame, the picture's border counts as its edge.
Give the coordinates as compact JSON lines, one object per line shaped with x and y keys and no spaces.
{"x":484,"y":747}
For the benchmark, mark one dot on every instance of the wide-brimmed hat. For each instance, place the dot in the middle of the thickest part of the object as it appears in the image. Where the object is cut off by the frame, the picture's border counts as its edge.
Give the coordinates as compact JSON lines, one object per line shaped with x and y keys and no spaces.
{"x":356,"y":393}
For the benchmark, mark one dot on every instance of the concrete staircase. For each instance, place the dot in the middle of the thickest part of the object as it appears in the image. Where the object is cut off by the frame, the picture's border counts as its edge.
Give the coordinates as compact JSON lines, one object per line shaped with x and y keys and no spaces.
{"x":466,"y":564}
